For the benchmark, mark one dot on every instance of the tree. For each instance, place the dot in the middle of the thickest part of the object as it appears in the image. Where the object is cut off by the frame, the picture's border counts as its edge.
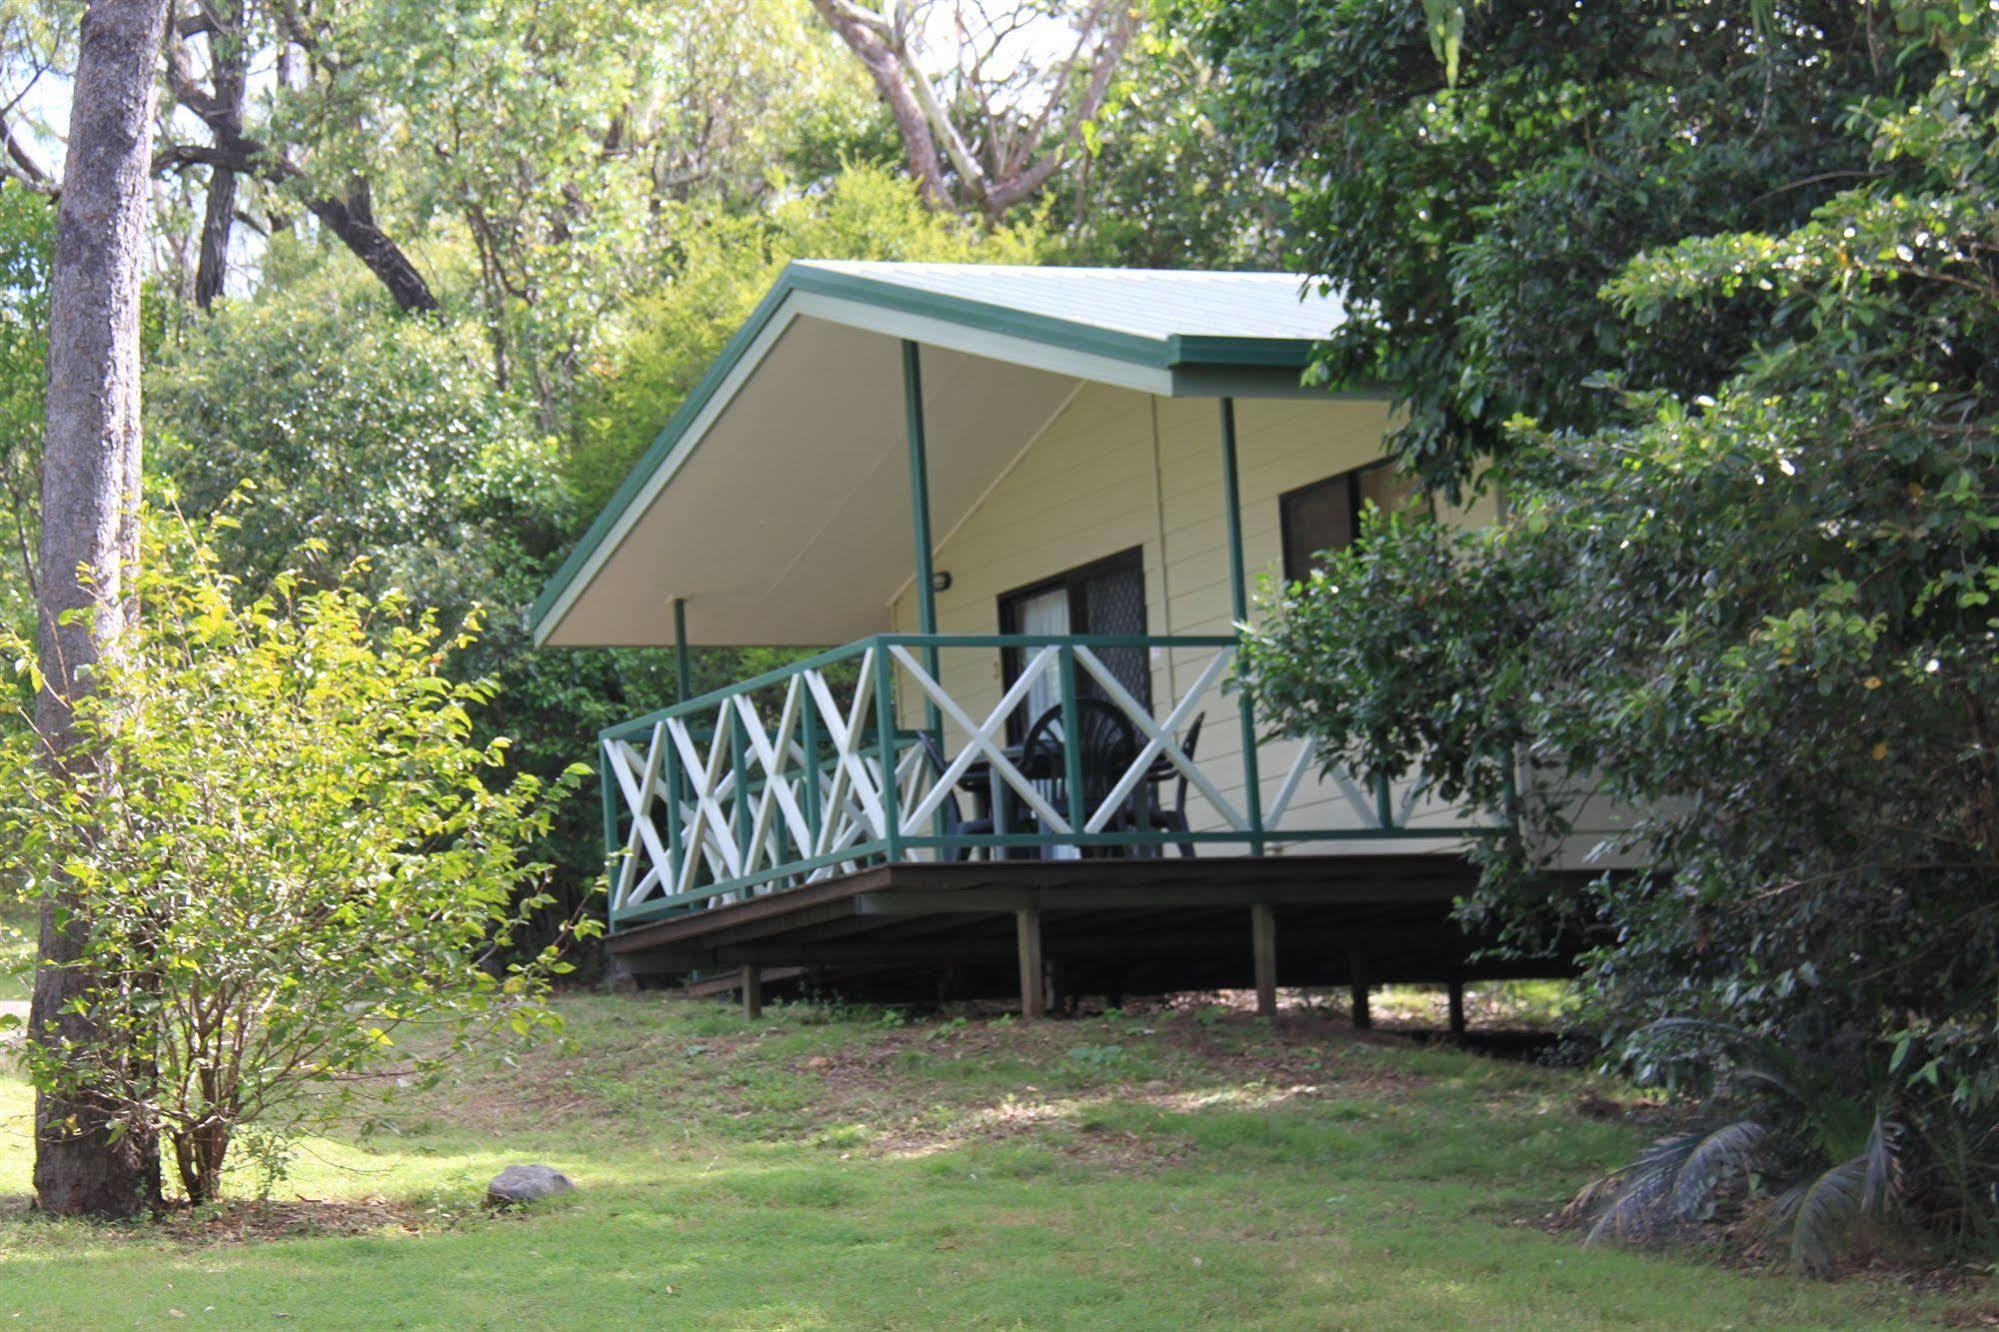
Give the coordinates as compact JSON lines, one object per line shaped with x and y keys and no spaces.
{"x":290,"y":850}
{"x":1167,"y":120}
{"x":1006,"y":120}
{"x":89,"y":537}
{"x":1759,"y":611}
{"x":1469,"y":224}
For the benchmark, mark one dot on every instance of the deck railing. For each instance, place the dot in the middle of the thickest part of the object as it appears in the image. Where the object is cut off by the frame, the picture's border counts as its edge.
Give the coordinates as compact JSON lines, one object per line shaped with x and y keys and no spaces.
{"x":821,"y":768}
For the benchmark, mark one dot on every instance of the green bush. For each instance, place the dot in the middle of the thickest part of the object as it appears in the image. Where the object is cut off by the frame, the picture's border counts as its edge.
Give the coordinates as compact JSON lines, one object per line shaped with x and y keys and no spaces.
{"x":283,"y":854}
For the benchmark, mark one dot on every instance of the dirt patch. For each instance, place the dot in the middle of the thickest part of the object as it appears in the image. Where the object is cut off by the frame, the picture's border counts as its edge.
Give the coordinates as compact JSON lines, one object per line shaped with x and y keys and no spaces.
{"x":248,"y":1222}
{"x":245,"y":1222}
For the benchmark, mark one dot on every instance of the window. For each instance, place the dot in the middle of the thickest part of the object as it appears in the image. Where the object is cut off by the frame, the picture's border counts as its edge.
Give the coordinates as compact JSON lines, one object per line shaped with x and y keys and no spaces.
{"x":1103,"y":597}
{"x":1326,"y":514}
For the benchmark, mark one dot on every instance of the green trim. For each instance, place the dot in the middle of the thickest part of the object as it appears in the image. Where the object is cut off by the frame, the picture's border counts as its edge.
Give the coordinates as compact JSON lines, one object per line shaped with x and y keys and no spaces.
{"x":1252,"y":777}
{"x":1204,"y":350}
{"x":1196,"y":357}
{"x":683,"y":667}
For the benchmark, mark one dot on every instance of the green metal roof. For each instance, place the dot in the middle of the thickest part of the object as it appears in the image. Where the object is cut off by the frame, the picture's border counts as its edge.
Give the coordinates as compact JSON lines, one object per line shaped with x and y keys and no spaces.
{"x":1187,"y":316}
{"x":1174,"y":332}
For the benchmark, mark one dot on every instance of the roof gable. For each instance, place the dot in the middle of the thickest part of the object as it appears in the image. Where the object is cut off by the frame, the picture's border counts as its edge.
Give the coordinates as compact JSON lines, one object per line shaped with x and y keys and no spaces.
{"x":1165,"y":332}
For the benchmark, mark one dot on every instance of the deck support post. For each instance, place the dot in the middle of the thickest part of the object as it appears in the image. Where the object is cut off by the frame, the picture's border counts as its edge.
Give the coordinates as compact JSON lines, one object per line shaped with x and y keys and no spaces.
{"x":1357,"y":988}
{"x":1252,"y":782}
{"x":683,"y":666}
{"x":1263,"y":946}
{"x":1033,"y":974}
{"x":753,"y":992}
{"x":1457,"y":1000}
{"x":919,"y":514}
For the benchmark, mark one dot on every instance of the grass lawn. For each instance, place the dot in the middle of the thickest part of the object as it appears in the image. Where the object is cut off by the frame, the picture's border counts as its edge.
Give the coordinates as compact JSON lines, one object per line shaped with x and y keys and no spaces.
{"x":1186,"y":1169}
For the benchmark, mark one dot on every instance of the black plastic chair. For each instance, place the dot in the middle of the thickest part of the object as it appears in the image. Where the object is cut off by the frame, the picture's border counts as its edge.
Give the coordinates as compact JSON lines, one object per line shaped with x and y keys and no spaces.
{"x":1174,"y":819}
{"x":955,"y":824}
{"x":1106,"y":744}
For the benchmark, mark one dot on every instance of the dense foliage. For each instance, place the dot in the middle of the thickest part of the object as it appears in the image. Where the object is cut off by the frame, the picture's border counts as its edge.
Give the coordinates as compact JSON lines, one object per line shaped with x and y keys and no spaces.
{"x":1470,"y":225}
{"x":1752,"y":599}
{"x":285,"y":851}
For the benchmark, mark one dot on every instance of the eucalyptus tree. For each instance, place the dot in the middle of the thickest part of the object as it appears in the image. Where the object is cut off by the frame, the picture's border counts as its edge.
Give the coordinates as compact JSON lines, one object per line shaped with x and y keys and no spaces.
{"x":992,"y":98}
{"x":522,"y":158}
{"x":84,"y":1161}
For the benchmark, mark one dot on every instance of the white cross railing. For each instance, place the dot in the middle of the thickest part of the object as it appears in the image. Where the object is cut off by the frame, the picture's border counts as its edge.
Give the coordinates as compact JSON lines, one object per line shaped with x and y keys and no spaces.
{"x":876,"y":752}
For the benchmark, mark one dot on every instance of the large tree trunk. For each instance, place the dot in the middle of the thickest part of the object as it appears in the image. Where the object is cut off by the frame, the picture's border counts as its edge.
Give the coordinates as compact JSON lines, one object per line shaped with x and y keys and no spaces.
{"x":90,"y":495}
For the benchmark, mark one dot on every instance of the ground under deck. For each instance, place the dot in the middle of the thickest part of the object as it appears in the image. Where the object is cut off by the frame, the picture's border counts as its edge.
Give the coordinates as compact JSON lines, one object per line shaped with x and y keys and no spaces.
{"x":977,"y":929}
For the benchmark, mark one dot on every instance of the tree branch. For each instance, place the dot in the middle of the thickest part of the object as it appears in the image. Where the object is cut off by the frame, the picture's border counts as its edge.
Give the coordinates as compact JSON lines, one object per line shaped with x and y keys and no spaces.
{"x":862,"y":34}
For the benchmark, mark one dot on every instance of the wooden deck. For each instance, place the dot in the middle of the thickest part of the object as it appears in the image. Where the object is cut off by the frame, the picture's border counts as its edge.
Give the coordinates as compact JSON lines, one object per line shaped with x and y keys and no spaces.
{"x":1112,"y":927}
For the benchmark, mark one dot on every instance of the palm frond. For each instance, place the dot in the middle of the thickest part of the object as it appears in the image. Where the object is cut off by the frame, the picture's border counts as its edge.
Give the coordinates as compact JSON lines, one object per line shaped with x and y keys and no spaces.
{"x":1815,"y":1215}
{"x":1819,"y":1213}
{"x":1731,"y":1148}
{"x":1673,"y":1180}
{"x":1884,"y":1167}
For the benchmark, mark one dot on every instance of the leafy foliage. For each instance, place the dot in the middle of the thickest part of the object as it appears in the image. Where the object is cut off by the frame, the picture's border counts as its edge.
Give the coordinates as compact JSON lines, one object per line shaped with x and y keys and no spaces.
{"x":1469,"y":221}
{"x":284,"y":851}
{"x":1753,"y":603}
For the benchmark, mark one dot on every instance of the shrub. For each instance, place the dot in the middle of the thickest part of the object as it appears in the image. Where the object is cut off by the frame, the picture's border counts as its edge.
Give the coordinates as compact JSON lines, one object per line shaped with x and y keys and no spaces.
{"x":283,"y":854}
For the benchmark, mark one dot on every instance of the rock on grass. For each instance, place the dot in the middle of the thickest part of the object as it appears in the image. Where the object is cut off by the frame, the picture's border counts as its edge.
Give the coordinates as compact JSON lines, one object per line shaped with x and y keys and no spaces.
{"x":519,"y":1184}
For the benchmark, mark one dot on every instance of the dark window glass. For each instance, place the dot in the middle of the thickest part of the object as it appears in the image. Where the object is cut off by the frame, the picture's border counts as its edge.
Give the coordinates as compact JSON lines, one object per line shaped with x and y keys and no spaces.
{"x":1103,"y":597}
{"x":1326,"y":514}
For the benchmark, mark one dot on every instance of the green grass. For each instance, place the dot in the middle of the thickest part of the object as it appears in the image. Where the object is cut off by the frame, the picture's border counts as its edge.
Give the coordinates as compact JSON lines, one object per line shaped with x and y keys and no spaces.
{"x":1170,"y":1170}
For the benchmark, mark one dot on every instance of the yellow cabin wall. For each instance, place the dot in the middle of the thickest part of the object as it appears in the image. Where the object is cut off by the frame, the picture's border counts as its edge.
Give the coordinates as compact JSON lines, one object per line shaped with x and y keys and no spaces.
{"x":1115,"y":469}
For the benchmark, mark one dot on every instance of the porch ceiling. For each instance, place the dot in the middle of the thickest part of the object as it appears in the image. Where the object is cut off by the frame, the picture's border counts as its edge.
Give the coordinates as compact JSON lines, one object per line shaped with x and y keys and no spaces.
{"x":776,"y":502}
{"x":790,"y":524}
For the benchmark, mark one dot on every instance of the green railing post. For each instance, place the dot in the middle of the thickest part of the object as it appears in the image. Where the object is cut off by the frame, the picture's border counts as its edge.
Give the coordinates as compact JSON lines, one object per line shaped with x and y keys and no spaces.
{"x":1384,"y":801}
{"x":1072,"y":746}
{"x":808,"y":728}
{"x":885,"y":747}
{"x":1252,"y":777}
{"x":607,"y":790}
{"x":668,"y":887}
{"x":739,"y":810}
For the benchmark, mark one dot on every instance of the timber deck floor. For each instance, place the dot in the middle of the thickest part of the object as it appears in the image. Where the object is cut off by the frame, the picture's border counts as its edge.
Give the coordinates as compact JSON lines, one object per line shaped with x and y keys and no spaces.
{"x":1113,"y":927}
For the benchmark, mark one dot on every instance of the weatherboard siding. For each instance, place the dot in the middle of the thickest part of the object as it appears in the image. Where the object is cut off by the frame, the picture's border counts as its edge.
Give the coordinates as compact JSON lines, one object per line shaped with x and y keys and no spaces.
{"x":1117,"y":469}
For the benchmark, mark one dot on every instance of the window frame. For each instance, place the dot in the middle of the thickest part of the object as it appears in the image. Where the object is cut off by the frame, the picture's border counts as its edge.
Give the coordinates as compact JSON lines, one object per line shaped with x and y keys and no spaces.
{"x":1072,"y":581}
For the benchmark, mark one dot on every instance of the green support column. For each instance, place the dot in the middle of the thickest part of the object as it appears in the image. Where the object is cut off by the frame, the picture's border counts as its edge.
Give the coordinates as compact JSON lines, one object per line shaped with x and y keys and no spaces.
{"x":919,"y":515}
{"x":683,"y":666}
{"x":607,"y":786}
{"x":1252,"y":780}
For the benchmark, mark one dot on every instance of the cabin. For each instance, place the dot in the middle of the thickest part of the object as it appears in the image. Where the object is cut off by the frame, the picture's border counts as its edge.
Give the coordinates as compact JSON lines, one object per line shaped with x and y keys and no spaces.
{"x":1016,"y":520}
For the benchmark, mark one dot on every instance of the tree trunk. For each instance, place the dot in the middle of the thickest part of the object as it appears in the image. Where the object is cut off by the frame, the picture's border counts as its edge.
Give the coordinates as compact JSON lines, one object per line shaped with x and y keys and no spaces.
{"x":218,"y":220}
{"x":918,"y":144}
{"x":90,"y":493}
{"x":232,"y":55}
